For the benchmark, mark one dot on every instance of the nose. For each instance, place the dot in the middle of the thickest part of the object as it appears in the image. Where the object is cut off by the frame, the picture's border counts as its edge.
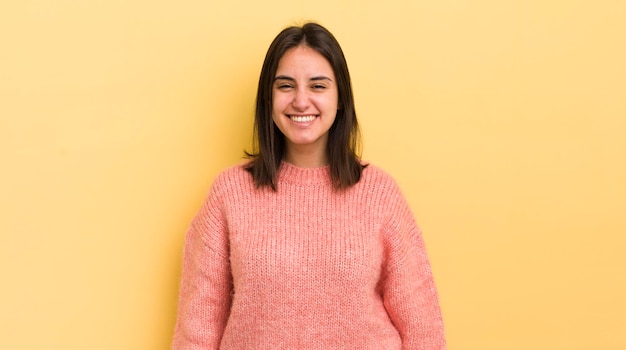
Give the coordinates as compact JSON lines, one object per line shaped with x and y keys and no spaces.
{"x":300,"y":100}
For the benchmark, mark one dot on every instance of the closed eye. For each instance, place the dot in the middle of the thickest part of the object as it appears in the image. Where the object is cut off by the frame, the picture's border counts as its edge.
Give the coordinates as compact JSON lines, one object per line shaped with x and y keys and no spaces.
{"x":283,"y":82}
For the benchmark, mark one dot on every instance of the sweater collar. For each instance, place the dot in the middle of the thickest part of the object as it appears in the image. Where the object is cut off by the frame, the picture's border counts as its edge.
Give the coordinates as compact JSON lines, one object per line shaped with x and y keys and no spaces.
{"x":289,"y":173}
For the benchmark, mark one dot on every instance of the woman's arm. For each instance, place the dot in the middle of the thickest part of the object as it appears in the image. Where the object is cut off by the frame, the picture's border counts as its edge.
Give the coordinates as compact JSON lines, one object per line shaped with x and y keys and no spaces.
{"x":206,"y":282}
{"x":409,"y":291}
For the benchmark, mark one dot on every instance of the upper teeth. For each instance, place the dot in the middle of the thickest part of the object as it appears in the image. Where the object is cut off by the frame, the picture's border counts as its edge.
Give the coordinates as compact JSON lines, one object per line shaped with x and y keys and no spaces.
{"x":302,"y":118}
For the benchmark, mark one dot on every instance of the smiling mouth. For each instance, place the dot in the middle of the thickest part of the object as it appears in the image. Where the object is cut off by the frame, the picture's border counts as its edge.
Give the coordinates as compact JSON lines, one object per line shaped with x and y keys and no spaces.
{"x":302,"y":118}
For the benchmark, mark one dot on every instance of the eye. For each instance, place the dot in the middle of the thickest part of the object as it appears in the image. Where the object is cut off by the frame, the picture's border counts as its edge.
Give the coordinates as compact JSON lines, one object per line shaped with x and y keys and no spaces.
{"x":284,"y":86}
{"x":319,"y":87}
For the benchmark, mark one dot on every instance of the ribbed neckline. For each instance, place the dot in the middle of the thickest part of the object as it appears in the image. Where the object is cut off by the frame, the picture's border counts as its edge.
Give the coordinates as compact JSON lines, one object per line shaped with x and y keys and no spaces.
{"x":289,"y":173}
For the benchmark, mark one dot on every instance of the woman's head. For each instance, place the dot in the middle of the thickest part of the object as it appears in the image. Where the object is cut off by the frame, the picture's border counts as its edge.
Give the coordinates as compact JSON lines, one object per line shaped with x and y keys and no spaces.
{"x":341,"y":148}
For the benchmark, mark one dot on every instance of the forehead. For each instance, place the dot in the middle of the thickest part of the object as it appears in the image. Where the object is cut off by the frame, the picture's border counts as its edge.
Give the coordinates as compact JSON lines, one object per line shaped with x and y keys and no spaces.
{"x":303,"y":60}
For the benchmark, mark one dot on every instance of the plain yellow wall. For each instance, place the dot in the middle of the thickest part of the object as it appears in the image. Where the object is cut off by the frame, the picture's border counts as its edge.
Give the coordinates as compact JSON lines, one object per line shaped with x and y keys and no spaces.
{"x":503,"y":121}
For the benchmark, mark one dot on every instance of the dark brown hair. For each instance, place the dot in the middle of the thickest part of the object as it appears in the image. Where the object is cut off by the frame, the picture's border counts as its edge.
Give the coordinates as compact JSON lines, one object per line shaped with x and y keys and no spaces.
{"x":343,"y":136}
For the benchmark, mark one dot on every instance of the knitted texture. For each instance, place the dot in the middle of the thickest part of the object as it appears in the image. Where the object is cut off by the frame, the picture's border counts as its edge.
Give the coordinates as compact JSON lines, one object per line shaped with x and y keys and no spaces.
{"x":306,"y":267}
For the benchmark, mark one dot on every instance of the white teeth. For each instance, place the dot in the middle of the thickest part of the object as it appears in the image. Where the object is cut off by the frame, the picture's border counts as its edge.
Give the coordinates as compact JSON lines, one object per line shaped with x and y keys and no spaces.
{"x":302,"y":118}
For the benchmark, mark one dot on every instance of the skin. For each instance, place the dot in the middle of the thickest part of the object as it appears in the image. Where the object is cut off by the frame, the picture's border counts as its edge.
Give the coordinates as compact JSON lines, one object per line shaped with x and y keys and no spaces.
{"x":305,"y":102}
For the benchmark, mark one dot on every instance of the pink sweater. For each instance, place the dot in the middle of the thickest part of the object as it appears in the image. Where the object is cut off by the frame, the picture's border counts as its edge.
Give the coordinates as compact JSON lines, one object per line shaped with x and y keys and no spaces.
{"x":307,"y":267}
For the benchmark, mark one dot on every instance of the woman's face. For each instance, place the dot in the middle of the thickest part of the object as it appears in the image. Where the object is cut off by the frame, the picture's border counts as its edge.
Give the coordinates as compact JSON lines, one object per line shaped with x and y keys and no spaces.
{"x":305,"y":99}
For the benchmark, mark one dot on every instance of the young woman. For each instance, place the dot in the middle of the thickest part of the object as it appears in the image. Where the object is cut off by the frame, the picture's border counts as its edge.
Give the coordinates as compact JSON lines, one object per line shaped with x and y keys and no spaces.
{"x":304,"y":246}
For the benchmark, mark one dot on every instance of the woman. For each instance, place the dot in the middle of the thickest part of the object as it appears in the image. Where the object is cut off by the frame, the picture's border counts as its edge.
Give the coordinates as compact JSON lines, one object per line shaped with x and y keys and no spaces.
{"x":303,"y":246}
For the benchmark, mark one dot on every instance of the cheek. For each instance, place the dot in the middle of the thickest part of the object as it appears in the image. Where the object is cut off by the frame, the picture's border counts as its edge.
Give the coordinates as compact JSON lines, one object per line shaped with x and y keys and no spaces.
{"x":328,"y":104}
{"x":278,"y":103}
{"x":277,"y":111}
{"x":332,"y":101}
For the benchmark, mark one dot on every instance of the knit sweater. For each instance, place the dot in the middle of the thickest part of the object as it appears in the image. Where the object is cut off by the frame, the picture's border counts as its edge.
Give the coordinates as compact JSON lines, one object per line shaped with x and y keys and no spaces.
{"x":306,"y":267}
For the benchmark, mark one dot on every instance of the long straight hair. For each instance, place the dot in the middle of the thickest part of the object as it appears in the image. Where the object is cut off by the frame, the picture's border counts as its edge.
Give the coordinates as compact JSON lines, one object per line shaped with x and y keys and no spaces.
{"x":343,"y":136}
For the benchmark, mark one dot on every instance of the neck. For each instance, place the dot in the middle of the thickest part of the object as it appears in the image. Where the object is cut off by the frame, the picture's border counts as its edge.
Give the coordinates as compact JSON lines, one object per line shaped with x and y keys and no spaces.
{"x":306,"y":157}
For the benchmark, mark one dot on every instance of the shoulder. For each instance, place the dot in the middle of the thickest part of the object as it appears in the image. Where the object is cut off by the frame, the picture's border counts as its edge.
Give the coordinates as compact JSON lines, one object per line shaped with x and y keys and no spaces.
{"x":233,"y":178}
{"x":380,"y":184}
{"x":373,"y":175}
{"x":399,"y":218}
{"x":235,"y":172}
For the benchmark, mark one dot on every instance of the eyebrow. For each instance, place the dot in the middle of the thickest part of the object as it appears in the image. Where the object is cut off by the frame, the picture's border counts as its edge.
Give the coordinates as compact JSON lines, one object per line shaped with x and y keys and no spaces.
{"x":316,"y":78}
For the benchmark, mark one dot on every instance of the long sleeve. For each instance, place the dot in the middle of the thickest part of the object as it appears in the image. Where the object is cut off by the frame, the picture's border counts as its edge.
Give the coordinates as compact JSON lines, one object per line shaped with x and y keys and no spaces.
{"x":206,"y":282}
{"x":409,"y":291}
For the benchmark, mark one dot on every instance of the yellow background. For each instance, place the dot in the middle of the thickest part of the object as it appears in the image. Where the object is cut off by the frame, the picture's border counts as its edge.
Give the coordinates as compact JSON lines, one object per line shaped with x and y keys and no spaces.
{"x":503,"y":121}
